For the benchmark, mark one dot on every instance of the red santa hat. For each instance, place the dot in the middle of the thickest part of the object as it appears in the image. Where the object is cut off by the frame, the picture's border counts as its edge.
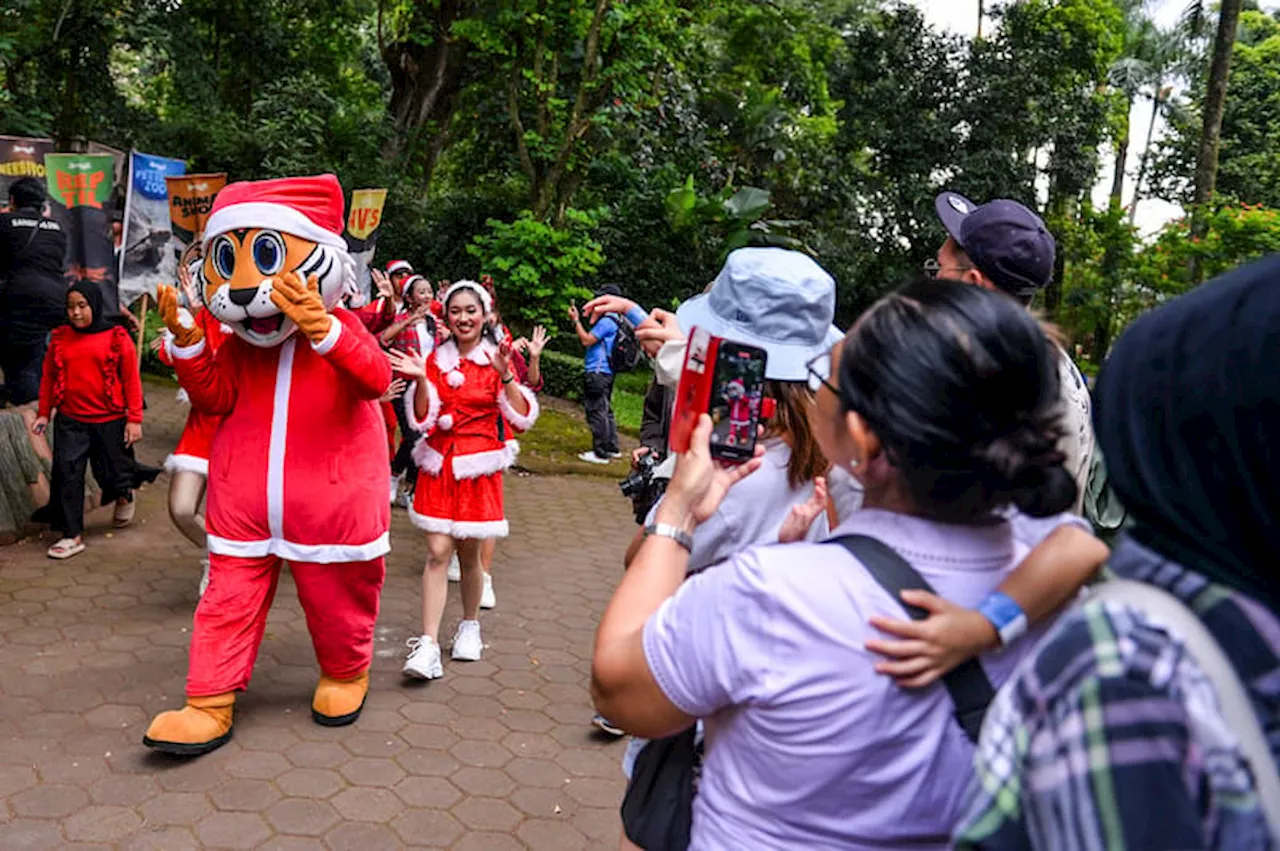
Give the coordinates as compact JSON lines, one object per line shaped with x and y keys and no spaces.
{"x":399,"y":266}
{"x":408,"y":284}
{"x":309,"y":207}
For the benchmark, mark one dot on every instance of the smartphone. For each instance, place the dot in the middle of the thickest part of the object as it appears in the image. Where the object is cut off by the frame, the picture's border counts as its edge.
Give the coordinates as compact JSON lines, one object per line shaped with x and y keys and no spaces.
{"x":724,"y":379}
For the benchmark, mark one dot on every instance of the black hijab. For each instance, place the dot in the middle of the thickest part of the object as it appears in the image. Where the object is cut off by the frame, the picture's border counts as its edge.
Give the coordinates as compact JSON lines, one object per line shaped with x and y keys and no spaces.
{"x":1187,"y":414}
{"x":93,"y":295}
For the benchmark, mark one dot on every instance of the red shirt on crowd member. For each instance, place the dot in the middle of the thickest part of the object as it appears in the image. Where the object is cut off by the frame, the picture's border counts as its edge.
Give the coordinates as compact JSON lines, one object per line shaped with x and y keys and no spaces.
{"x":92,"y":378}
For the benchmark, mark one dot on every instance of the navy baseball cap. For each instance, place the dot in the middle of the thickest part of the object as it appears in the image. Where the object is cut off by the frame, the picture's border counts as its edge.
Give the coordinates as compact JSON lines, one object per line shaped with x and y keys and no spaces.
{"x":1006,"y":242}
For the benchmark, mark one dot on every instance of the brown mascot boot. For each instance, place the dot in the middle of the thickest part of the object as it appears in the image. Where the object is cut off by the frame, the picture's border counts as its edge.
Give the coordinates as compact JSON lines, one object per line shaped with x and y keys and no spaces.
{"x":337,"y":703}
{"x":204,"y":724}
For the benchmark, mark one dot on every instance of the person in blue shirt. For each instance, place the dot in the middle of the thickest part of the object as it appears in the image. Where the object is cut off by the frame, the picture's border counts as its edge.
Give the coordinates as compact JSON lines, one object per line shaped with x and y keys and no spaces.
{"x":597,"y":396}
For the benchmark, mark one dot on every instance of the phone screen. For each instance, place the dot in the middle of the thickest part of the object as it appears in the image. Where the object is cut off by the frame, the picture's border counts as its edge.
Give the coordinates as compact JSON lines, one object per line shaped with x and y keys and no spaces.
{"x":736,"y":394}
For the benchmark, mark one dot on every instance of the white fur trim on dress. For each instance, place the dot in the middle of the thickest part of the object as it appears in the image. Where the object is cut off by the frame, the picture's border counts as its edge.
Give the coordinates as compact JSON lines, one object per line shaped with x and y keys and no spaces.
{"x":187,"y":464}
{"x":479,"y":464}
{"x":428,"y":459}
{"x":330,"y":338}
{"x":448,"y":359}
{"x":463,"y":530}
{"x":513,"y":452}
{"x":446,"y":422}
{"x":520,"y":422}
{"x":426,"y":424}
{"x":264,"y":214}
{"x":183,"y":397}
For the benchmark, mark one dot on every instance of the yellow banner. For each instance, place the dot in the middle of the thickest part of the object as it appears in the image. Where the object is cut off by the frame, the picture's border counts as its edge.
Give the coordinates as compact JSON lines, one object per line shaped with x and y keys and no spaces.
{"x":366,"y":212}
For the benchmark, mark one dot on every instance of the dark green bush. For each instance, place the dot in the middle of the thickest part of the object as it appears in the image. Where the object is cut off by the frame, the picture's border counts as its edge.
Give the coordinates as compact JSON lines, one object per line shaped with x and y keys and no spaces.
{"x":562,"y":375}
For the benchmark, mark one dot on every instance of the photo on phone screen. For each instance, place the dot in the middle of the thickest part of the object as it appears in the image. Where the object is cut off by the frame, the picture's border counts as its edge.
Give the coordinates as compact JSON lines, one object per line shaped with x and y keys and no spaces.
{"x":736,"y":396}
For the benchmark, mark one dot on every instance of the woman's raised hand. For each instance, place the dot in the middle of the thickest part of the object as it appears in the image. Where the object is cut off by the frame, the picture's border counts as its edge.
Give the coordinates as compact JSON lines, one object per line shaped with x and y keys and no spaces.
{"x":801,"y":518}
{"x":412,"y":365}
{"x":700,"y":482}
{"x":502,"y":359}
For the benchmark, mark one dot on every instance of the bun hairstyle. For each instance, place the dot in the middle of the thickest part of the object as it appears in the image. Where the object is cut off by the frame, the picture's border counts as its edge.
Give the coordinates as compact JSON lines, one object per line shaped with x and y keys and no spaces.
{"x":960,"y":384}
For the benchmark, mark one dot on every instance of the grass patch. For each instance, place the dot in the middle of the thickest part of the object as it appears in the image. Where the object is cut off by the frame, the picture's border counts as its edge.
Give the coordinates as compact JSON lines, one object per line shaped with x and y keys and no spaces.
{"x":552,"y":446}
{"x":628,"y":408}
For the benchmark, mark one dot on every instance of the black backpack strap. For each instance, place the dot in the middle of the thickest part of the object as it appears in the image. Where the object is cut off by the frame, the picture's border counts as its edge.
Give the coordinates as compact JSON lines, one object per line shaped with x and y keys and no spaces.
{"x":967,"y":683}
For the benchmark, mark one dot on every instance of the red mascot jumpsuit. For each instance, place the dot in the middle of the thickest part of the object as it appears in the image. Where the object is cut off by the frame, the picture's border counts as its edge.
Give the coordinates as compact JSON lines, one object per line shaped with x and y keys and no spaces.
{"x":298,"y":467}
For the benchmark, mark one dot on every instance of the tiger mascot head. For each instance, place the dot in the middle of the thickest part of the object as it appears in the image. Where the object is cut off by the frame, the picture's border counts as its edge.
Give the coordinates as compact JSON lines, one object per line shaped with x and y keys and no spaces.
{"x":259,"y":231}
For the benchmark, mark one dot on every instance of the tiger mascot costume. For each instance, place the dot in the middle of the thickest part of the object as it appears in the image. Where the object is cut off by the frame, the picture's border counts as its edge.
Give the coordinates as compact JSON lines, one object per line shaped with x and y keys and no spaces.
{"x":298,"y":467}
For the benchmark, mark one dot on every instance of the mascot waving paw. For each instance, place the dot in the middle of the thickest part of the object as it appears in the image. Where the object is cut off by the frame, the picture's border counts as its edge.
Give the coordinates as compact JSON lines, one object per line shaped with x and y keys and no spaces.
{"x":298,"y":467}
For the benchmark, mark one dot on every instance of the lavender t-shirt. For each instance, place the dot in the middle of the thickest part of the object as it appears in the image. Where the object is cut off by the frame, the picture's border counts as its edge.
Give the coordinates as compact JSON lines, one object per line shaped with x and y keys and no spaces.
{"x":806,"y":745}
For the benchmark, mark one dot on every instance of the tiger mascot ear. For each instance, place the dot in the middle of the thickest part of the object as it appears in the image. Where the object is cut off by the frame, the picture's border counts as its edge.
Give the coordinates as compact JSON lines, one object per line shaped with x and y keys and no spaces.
{"x":260,"y":231}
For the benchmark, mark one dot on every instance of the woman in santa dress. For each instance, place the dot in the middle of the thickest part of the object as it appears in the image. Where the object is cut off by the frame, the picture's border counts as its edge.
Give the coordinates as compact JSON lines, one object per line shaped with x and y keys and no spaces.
{"x":188,"y":465}
{"x":459,"y":396}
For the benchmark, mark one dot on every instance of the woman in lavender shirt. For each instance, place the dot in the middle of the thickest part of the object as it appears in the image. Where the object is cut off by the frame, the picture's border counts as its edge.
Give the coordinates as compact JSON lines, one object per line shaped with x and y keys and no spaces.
{"x":943,"y":407}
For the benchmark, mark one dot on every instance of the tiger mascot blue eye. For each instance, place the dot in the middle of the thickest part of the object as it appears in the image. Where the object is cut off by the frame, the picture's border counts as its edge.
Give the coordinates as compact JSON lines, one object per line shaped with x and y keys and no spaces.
{"x":268,"y":252}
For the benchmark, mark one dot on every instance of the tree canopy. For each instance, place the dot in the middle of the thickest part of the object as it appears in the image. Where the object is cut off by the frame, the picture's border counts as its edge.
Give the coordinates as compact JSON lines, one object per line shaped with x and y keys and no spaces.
{"x":559,"y":144}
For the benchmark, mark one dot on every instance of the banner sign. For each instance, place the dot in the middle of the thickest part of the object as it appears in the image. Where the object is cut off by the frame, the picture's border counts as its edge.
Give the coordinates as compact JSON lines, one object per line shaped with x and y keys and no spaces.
{"x":190,"y":202}
{"x":362,"y":233}
{"x":80,"y":199}
{"x":148,"y":254}
{"x":21,"y":157}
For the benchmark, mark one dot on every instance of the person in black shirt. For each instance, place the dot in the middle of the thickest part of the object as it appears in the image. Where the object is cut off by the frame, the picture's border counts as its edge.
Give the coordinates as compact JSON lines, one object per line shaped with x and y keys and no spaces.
{"x":33,"y":287}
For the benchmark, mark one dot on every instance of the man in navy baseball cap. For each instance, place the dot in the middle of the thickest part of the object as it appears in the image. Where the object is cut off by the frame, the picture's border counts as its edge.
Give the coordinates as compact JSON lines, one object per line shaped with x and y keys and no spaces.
{"x":1000,"y":245}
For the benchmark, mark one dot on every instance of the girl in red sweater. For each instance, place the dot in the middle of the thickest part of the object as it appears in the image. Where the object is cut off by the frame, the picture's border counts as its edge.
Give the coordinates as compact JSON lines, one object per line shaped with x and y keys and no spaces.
{"x":91,"y":378}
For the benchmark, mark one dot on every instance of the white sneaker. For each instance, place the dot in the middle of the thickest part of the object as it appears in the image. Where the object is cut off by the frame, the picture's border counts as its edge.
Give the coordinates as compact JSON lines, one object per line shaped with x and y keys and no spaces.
{"x":592,"y":458}
{"x":455,"y":569}
{"x":488,"y":599}
{"x":467,"y":644}
{"x":395,"y":490}
{"x":424,"y":659}
{"x":204,"y":576}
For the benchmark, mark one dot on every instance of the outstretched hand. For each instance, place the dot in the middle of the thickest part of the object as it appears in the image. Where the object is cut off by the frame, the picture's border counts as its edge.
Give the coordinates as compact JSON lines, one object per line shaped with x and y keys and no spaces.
{"x":502,"y":359}
{"x":700,"y":482}
{"x":185,"y":331}
{"x":302,"y":303}
{"x":394,"y":391}
{"x":601,"y":305}
{"x":412,"y":365}
{"x":661,"y":327}
{"x":929,"y":648}
{"x":381,"y":283}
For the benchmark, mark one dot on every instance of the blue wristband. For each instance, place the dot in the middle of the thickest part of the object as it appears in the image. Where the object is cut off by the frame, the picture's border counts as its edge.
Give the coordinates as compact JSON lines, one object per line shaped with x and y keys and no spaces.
{"x":1005,"y":615}
{"x":636,"y":315}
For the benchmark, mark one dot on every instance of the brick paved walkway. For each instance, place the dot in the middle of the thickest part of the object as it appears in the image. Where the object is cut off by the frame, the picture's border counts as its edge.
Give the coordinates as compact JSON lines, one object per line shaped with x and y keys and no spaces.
{"x":499,"y":754}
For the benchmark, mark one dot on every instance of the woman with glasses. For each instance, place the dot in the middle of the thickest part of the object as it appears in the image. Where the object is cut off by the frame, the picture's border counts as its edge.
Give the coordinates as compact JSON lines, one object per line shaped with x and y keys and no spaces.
{"x":941,"y":403}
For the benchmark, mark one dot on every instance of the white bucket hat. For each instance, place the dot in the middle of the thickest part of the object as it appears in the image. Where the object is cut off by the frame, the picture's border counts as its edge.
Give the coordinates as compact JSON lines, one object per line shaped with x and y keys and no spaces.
{"x":774,"y":298}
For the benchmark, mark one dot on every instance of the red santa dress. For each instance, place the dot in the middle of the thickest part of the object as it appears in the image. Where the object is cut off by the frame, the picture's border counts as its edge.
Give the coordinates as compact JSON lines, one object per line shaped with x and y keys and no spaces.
{"x":462,"y":454}
{"x":192,"y":452}
{"x":297,"y":472}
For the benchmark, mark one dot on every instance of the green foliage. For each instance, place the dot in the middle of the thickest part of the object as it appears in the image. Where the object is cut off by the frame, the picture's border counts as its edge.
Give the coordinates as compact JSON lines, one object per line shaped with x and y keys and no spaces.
{"x":540,"y":268}
{"x":1236,"y":234}
{"x":562,"y":375}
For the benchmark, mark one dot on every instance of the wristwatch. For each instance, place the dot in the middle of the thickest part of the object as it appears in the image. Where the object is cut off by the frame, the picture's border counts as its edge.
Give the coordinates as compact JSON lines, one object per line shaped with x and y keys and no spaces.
{"x":675,"y":533}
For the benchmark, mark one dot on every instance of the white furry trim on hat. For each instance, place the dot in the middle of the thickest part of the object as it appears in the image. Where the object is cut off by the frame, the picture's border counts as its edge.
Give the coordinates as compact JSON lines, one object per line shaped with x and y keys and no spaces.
{"x":485,"y":301}
{"x":263,"y":214}
{"x":398,"y":266}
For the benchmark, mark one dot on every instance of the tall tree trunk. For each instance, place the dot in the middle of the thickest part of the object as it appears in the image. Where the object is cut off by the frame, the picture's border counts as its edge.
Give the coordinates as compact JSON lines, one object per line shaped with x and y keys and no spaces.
{"x":982,"y":9}
{"x":1122,"y":160}
{"x":1215,"y":100}
{"x":1156,"y":104}
{"x":425,"y":78}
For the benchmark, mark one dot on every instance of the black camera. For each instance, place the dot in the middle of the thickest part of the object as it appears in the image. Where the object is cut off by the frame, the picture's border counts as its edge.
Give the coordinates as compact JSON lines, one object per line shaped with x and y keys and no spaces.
{"x":642,"y":487}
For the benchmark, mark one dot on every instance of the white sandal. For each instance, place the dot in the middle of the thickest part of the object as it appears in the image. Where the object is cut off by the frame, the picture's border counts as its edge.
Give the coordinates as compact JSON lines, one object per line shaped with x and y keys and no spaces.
{"x":123,"y":515}
{"x":66,"y":548}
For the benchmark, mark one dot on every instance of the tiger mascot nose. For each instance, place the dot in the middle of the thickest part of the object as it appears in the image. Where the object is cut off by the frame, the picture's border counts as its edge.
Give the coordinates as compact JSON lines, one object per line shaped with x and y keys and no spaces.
{"x":242,"y":297}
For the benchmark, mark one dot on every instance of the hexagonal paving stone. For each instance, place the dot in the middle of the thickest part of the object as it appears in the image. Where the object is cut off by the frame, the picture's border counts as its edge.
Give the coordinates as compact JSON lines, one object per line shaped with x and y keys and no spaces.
{"x":316,"y":754}
{"x":232,"y":830}
{"x":361,"y":837}
{"x":428,"y":792}
{"x":547,"y":834}
{"x":49,"y":801}
{"x":33,"y":834}
{"x":362,"y":803}
{"x":310,"y":782}
{"x":363,"y":771}
{"x":487,"y":814}
{"x":162,"y":839}
{"x":250,"y":796}
{"x":176,"y":808}
{"x":433,"y":828}
{"x":102,"y":824}
{"x":256,"y":765}
{"x":481,"y":754}
{"x":301,"y":816}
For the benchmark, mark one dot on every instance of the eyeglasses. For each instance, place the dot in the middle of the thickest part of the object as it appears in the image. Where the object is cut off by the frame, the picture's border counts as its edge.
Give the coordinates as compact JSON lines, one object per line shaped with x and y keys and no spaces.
{"x":933,"y":269}
{"x":819,"y":369}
